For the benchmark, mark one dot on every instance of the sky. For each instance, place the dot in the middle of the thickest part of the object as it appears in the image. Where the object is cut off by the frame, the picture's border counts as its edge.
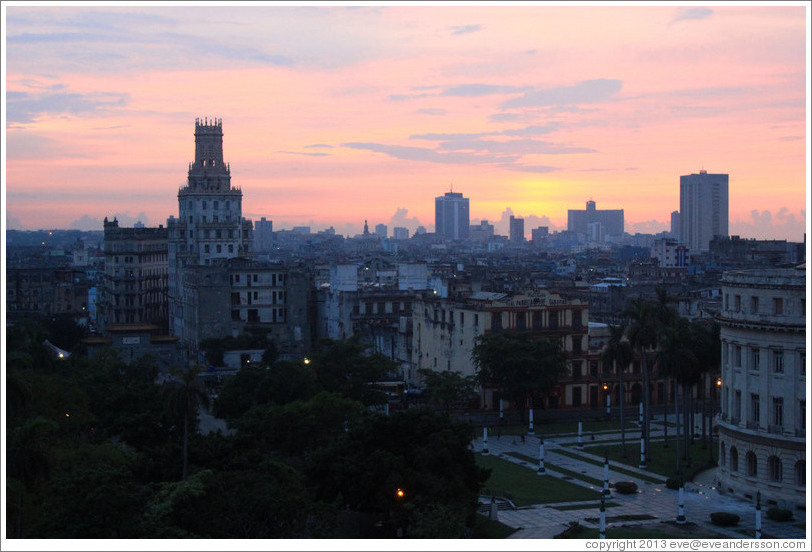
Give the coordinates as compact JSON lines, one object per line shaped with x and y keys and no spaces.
{"x":339,"y":113}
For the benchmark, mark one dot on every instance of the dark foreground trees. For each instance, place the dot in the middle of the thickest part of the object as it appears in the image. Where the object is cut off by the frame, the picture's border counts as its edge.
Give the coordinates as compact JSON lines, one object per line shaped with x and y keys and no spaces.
{"x":96,"y":450}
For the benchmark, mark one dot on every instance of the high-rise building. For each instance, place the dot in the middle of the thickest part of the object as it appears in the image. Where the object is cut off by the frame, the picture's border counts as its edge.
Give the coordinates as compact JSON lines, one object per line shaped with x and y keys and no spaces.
{"x":210,"y":223}
{"x":703,"y":207}
{"x":611,"y":220}
{"x":381,"y":230}
{"x":400,"y":233}
{"x":263,"y":235}
{"x":516,"y":230}
{"x":451,"y":216}
{"x":539,"y":234}
{"x":675,"y":222}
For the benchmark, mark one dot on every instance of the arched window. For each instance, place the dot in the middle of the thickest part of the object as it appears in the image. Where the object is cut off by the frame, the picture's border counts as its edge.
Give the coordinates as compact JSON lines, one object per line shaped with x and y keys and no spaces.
{"x":734,"y":459}
{"x":800,"y":473}
{"x":774,"y":463}
{"x":752,"y":464}
{"x":722,"y":455}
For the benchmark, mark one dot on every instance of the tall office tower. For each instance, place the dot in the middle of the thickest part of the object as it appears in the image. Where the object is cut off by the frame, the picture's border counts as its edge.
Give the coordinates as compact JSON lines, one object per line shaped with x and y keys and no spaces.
{"x":516,"y":230}
{"x":675,"y":222}
{"x":135,"y":276}
{"x":210,"y":223}
{"x":263,"y":235}
{"x":451,"y":216}
{"x":611,"y":219}
{"x":381,"y":230}
{"x":703,"y":207}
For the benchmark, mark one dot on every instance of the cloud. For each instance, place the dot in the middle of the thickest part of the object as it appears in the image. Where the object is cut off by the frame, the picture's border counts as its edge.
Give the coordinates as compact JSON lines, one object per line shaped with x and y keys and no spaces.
{"x":305,"y":153}
{"x":529,"y":168}
{"x":433,"y":111}
{"x":531,"y":222}
{"x":429,"y":155}
{"x":464,"y":29}
{"x":401,"y":218}
{"x":26,"y":107}
{"x":475,"y":89}
{"x":87,"y":222}
{"x":685,"y":14}
{"x":765,"y":225}
{"x":24,"y":145}
{"x":591,"y":91}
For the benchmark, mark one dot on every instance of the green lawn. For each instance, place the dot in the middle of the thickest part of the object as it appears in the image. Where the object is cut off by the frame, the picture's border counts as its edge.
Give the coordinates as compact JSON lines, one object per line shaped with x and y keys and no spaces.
{"x":526,"y":487}
{"x":664,"y":460}
{"x":614,"y":469}
{"x":565,"y":471}
{"x":554,"y":428}
{"x":485,"y":528}
{"x":662,"y":530}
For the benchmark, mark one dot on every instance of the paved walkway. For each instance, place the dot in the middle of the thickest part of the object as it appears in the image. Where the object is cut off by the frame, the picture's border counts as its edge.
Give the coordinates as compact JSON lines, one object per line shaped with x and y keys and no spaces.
{"x":701,"y":497}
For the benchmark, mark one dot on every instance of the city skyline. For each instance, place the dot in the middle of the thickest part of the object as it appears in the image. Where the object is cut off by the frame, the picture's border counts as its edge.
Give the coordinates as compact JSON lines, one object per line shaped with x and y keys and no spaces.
{"x":333,"y":115}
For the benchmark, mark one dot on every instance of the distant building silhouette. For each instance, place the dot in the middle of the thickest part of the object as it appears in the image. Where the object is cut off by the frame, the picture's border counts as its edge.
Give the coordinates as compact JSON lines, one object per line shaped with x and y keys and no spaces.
{"x":703,"y":200}
{"x":612,"y":223}
{"x":263,"y":235}
{"x":381,"y":231}
{"x":516,"y":230}
{"x":451,"y":216}
{"x":675,"y":224}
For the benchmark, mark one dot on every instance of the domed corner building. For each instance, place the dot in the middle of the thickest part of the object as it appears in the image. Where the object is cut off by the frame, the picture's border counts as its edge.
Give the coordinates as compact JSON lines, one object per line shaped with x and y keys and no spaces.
{"x":762,"y":425}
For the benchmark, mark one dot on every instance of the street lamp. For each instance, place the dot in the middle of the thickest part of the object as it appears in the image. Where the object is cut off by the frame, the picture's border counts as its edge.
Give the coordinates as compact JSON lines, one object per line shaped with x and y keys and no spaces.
{"x":608,"y":399}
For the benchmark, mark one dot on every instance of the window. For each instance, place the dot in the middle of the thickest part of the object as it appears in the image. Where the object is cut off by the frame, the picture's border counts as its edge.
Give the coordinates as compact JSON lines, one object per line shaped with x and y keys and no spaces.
{"x":219,"y":248}
{"x":802,"y":363}
{"x":737,"y":408}
{"x":737,"y":356}
{"x":755,"y":359}
{"x":734,"y":459}
{"x":800,"y":473}
{"x":802,"y":408}
{"x":778,"y":411}
{"x":737,"y":303}
{"x":755,"y":408}
{"x":727,"y":301}
{"x":206,"y":248}
{"x":462,"y":319}
{"x":778,"y":305}
{"x":255,"y":277}
{"x":476,"y":320}
{"x":204,"y":205}
{"x":774,"y":464}
{"x":231,"y":248}
{"x":752,"y":464}
{"x":754,"y":305}
{"x":778,"y":362}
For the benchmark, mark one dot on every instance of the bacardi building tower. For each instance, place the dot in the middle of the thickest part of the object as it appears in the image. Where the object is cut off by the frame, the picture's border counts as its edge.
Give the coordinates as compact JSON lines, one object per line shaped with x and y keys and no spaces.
{"x":210,"y":224}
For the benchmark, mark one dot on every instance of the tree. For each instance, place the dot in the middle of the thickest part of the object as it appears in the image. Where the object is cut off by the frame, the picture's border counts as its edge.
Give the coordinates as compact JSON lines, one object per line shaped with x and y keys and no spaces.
{"x":642,"y":331}
{"x":342,"y":366}
{"x":423,"y":453}
{"x":184,"y":397}
{"x":619,"y":352}
{"x":676,"y":359}
{"x":447,"y":388}
{"x":518,"y":365}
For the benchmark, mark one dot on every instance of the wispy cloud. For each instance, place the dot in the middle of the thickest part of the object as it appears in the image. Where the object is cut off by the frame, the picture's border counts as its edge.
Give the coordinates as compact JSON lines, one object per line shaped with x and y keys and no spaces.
{"x":586,"y":92}
{"x":26,"y":107}
{"x":464,"y":29}
{"x":306,"y":153}
{"x":685,"y":14}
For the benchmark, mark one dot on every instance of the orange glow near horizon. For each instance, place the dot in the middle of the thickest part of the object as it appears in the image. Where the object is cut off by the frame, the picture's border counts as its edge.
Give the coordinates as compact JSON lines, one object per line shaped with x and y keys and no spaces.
{"x":332,"y":116}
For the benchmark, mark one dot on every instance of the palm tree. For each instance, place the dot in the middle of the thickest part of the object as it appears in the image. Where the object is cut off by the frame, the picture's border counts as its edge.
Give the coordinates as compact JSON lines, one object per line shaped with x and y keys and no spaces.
{"x":642,"y":332}
{"x":619,"y":352}
{"x":184,"y":397}
{"x":676,"y":359}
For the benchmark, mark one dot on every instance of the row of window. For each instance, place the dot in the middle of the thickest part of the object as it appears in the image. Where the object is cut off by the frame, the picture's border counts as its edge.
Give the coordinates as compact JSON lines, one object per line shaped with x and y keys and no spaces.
{"x":755,"y":409}
{"x":751,"y":358}
{"x":776,"y":307}
{"x":276,"y":279}
{"x":215,"y":204}
{"x":775,"y":467}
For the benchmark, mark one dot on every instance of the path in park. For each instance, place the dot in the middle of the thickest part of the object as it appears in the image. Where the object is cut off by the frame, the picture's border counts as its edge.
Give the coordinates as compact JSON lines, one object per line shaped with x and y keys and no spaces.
{"x":701,"y":497}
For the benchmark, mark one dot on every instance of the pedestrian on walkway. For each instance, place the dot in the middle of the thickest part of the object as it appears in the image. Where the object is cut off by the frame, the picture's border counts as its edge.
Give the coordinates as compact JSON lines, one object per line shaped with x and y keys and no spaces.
{"x":522,"y":438}
{"x":498,"y":433}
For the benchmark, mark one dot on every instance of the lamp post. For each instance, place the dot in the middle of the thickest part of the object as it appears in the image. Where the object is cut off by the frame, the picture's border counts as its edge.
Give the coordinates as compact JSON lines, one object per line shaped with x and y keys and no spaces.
{"x":530,"y":430}
{"x":608,"y":400}
{"x":580,"y":435}
{"x":758,"y":515}
{"x":603,"y":517}
{"x":541,"y":470}
{"x":606,"y":473}
{"x":681,"y":505}
{"x":485,"y":451}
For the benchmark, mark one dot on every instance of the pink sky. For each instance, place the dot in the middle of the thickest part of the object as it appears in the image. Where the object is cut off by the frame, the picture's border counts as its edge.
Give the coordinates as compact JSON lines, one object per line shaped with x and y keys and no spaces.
{"x":335,"y":115}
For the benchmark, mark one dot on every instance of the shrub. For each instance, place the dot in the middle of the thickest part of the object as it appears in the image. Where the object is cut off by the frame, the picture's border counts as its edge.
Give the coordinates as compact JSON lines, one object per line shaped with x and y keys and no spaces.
{"x":779,"y":514}
{"x":724,"y":519}
{"x":626,"y":487}
{"x":674,"y":482}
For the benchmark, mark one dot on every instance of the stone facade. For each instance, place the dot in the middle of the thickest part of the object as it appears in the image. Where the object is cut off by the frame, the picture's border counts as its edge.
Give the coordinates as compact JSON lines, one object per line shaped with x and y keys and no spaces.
{"x":762,"y":425}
